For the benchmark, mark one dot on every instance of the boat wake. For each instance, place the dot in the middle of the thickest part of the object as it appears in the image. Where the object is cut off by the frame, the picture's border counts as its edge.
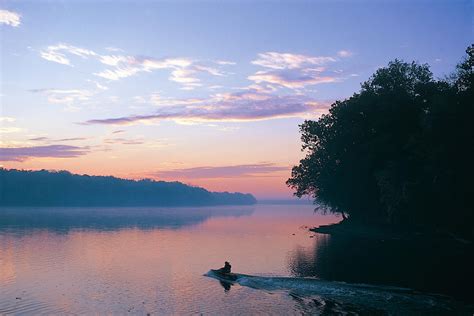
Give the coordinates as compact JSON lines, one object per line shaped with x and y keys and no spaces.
{"x":394,"y":300}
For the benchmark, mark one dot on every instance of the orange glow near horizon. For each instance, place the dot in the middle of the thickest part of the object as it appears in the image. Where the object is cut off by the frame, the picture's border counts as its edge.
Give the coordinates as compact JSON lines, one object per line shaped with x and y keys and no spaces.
{"x":261,"y":172}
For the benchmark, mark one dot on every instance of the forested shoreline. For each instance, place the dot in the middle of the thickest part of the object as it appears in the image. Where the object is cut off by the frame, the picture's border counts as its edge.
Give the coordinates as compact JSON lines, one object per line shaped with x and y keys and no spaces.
{"x":62,"y":188}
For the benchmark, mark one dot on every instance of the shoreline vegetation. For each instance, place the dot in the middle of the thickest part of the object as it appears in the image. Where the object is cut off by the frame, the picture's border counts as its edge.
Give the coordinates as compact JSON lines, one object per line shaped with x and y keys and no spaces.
{"x":389,"y":232}
{"x":396,"y":157}
{"x":62,"y":188}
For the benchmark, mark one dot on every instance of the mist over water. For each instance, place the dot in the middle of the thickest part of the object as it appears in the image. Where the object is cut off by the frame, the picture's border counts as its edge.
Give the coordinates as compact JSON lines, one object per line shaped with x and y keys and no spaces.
{"x":153,"y":260}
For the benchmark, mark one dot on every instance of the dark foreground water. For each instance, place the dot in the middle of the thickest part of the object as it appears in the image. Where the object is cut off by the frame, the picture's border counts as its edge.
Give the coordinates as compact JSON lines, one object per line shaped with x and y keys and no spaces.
{"x":157,"y":261}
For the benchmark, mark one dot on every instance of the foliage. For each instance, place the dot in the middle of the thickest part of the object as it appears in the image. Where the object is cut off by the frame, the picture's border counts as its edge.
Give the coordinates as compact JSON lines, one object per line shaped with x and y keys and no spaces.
{"x":400,"y":151}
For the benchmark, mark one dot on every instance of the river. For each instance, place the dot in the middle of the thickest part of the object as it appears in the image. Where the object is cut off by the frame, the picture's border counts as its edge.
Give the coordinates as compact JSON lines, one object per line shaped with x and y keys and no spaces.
{"x":156,"y":261}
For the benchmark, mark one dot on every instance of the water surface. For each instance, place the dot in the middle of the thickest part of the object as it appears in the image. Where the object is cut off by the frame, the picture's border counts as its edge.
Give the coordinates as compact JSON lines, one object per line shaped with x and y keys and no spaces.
{"x":154,"y":260}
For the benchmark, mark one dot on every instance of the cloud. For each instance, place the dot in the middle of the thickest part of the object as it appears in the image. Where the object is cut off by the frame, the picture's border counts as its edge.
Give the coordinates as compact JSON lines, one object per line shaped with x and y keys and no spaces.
{"x":98,"y":85}
{"x":291,"y":79}
{"x":225,"y":62}
{"x":114,"y":49}
{"x":71,"y":139}
{"x":5,"y":130}
{"x":55,"y":57}
{"x":10,"y":18}
{"x":248,"y":105}
{"x":50,"y":151}
{"x":124,"y":141}
{"x":289,"y":61}
{"x":65,"y":96}
{"x":137,"y":141}
{"x":7,"y":119}
{"x":47,"y":139}
{"x":39,"y":139}
{"x":117,"y":73}
{"x":344,"y":53}
{"x":158,"y":100}
{"x":113,"y":60}
{"x":56,"y":53}
{"x":184,"y":76}
{"x":247,"y":170}
{"x":292,"y":71}
{"x":182,"y":70}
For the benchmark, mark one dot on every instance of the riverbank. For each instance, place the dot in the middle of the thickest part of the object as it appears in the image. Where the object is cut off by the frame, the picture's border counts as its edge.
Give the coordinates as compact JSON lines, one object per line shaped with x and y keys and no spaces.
{"x":388,"y":232}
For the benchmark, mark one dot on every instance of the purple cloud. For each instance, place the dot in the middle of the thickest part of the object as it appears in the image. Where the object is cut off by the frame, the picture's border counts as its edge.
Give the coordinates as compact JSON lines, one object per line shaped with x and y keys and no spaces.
{"x":294,"y":78}
{"x":53,"y":151}
{"x":261,"y":169}
{"x":43,"y":139}
{"x":39,"y":139}
{"x":241,"y":106}
{"x":124,"y":141}
{"x":277,"y":60}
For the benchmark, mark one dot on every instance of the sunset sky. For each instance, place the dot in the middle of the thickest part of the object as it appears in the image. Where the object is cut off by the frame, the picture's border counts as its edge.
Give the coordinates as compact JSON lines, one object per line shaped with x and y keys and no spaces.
{"x":207,"y":93}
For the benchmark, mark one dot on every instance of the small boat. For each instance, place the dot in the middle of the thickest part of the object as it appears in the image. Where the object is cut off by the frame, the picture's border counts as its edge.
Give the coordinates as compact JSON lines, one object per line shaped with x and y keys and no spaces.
{"x":232,"y":277}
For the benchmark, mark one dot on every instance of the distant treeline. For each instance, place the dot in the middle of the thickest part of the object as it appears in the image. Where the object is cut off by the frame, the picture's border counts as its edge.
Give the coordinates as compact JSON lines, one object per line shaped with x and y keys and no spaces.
{"x":400,"y":151}
{"x":61,"y":188}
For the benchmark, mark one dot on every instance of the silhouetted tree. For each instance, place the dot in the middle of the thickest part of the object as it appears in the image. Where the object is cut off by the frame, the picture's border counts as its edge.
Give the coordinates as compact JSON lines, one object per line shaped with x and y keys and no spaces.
{"x":399,"y":151}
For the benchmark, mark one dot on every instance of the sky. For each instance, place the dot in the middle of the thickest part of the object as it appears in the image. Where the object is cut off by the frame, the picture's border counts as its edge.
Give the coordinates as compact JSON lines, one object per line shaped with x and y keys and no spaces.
{"x":209,"y":93}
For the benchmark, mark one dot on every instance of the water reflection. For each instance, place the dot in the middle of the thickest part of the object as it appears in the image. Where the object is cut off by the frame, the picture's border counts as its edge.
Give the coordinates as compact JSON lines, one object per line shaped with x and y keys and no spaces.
{"x":148,"y":260}
{"x":89,"y":261}
{"x":431,"y":266}
{"x":64,"y":219}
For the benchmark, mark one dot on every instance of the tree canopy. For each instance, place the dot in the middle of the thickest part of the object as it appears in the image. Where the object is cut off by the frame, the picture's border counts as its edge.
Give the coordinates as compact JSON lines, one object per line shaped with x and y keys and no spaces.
{"x":399,"y":151}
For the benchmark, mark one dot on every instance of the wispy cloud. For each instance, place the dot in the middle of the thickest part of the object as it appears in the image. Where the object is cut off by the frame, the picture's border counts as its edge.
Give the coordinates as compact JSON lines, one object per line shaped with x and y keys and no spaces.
{"x":276,"y":60}
{"x":124,"y":141}
{"x":344,"y":53}
{"x":114,"y":49}
{"x":57,"y":53}
{"x":248,"y":105}
{"x":292,"y":71}
{"x":144,"y":143}
{"x":39,"y":139}
{"x":6,"y":119}
{"x":225,"y":62}
{"x":10,"y":18}
{"x":98,"y":85}
{"x":232,"y":171}
{"x":184,"y":71}
{"x":158,"y":100}
{"x":50,"y":151}
{"x":65,"y":96}
{"x":10,"y":129}
{"x":47,"y":139}
{"x":292,"y":79}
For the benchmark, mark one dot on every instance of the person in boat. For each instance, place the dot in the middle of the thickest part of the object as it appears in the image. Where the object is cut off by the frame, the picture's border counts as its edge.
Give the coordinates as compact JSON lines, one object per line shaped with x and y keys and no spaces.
{"x":226,"y":268}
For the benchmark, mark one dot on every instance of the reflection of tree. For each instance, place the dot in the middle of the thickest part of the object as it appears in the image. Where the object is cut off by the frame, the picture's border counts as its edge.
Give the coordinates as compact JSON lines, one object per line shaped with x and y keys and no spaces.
{"x":63,"y":219}
{"x":302,"y":260}
{"x":428,"y":265}
{"x":326,"y":306}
